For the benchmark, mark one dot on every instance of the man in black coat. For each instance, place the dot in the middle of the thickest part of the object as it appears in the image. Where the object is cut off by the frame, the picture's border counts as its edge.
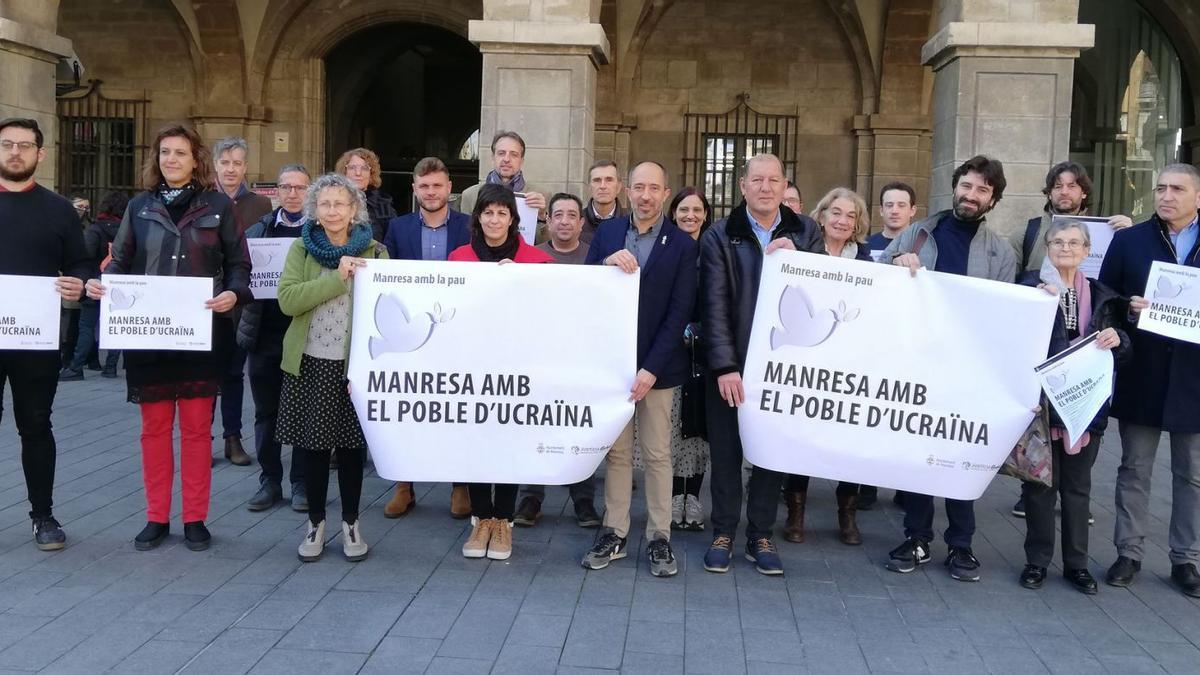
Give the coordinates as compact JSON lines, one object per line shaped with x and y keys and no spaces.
{"x":731,"y":260}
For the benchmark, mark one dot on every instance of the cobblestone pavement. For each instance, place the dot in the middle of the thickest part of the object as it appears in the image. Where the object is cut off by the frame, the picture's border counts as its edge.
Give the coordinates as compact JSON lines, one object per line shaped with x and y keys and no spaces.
{"x":416,"y":605}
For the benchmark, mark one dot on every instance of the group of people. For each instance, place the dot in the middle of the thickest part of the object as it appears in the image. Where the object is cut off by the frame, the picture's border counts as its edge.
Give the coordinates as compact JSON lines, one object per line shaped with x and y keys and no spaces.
{"x":697,"y":297}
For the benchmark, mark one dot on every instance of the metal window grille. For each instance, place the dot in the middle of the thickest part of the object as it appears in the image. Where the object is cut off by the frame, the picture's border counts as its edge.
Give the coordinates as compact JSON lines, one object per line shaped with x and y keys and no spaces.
{"x":101,"y":143}
{"x":718,"y":145}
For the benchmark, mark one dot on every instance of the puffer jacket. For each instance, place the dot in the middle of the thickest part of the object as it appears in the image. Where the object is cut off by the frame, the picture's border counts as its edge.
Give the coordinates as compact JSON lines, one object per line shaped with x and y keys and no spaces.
{"x":731,"y":261}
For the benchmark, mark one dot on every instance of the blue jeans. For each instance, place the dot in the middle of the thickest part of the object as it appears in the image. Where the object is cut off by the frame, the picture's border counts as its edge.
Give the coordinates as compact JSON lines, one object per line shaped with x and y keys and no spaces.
{"x":232,"y":391}
{"x":89,"y":316}
{"x":918,"y":519}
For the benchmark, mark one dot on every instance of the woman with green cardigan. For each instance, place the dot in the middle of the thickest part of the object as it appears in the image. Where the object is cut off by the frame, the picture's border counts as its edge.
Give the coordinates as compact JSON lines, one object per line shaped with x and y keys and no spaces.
{"x":315,"y":414}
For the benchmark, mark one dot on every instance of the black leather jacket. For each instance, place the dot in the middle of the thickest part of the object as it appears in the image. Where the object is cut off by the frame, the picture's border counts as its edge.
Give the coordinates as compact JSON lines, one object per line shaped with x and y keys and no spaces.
{"x":731,"y":262}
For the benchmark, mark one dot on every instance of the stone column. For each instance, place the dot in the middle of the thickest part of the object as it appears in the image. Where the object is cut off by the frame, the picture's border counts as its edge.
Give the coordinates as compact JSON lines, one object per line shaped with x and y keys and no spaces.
{"x":1002,"y":87}
{"x":539,"y":79}
{"x":29,"y":51}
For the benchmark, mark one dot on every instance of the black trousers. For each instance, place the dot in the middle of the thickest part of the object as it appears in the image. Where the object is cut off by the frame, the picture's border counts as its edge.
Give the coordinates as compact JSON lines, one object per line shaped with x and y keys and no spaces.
{"x":33,"y":376}
{"x":484,"y":504}
{"x":797,"y":483}
{"x":266,"y":381}
{"x":1073,"y":482}
{"x":725,"y":453}
{"x":316,"y":480}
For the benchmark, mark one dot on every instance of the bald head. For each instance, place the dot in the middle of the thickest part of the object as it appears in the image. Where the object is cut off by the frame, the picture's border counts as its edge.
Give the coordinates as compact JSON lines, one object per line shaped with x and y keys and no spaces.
{"x":762,"y":186}
{"x":647,"y":190}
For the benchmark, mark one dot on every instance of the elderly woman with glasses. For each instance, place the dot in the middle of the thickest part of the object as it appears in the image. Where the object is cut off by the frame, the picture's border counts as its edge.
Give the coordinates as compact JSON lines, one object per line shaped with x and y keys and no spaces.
{"x":1085,"y":306}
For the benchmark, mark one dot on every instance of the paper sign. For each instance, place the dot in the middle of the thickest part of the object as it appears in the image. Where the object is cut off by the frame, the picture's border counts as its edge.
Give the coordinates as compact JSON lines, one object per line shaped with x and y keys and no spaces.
{"x":1174,"y":295}
{"x":1101,"y":234}
{"x":1078,"y":381}
{"x":155,"y":312}
{"x":529,"y":219}
{"x":31,"y":313}
{"x":267,"y":255}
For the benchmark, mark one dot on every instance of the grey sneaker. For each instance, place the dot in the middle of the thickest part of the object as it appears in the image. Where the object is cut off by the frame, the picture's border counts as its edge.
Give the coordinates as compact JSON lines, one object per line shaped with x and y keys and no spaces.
{"x":662,"y":559}
{"x":268,"y":493}
{"x":676,"y":512}
{"x":313,"y":544}
{"x":608,"y":547}
{"x":354,"y":547}
{"x":48,"y":534}
{"x":693,"y":514}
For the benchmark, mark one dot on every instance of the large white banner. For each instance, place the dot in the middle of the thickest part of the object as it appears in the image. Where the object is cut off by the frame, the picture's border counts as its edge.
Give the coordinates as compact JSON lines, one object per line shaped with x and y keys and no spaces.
{"x":857,"y":371}
{"x":1174,"y":295}
{"x":267,"y":255}
{"x":1078,"y":380}
{"x":155,"y":312}
{"x":31,"y":314}
{"x":478,"y":372}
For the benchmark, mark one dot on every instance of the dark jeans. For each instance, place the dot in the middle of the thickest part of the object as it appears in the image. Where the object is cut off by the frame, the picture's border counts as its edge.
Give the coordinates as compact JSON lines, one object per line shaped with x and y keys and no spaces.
{"x":1073,"y":481}
{"x":89,"y":316}
{"x":33,"y":376}
{"x":584,"y":489}
{"x":232,"y":392}
{"x":797,"y":483}
{"x":725,"y":453}
{"x":918,"y":519}
{"x":316,"y":480}
{"x":484,"y":505}
{"x":266,"y":381}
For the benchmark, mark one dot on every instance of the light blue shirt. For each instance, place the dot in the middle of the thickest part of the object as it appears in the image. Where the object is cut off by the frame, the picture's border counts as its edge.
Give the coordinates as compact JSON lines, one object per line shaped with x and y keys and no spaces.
{"x":764,"y":233}
{"x":1184,"y":240}
{"x":433,"y":239}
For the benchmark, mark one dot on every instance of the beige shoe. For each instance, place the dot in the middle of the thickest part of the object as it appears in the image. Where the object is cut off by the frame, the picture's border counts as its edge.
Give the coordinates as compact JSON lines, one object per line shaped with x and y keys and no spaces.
{"x":460,"y":502}
{"x":477,"y":543}
{"x":313,"y":545}
{"x":354,"y":547}
{"x":401,"y":502}
{"x":500,"y":546}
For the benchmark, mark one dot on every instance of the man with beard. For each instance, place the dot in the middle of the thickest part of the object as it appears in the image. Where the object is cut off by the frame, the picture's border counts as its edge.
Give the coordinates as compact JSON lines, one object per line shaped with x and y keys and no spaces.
{"x":430,"y":233}
{"x":956,"y":242}
{"x":1068,"y":192}
{"x":42,"y":238}
{"x":508,"y":169}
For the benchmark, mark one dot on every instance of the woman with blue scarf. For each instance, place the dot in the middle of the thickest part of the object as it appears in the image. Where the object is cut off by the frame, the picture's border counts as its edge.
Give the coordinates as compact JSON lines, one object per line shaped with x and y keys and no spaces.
{"x":315,"y":414}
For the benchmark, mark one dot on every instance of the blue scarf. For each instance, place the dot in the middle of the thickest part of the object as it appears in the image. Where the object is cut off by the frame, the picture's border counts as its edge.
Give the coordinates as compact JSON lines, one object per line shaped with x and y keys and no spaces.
{"x":327,"y":255}
{"x":517,"y":184}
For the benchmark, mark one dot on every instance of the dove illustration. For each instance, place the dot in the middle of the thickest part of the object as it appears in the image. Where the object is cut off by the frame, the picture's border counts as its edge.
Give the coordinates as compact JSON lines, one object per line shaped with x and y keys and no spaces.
{"x":802,"y":325}
{"x":1168,"y":290}
{"x":398,"y":331}
{"x":260,"y":258}
{"x":1057,"y":381}
{"x":119,"y":299}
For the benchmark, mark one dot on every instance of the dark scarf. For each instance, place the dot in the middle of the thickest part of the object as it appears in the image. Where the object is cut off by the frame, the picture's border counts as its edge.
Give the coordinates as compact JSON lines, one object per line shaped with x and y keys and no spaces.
{"x":317,"y":243}
{"x":179,"y":195}
{"x":505,"y":251}
{"x":517,"y":184}
{"x":293,"y":218}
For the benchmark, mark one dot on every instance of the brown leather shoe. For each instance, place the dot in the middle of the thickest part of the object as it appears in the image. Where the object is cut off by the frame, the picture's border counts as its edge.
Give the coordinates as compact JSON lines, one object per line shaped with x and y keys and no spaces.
{"x":847,"y":520}
{"x":401,"y":502}
{"x":235,"y":453}
{"x":793,"y":531}
{"x":460,"y":502}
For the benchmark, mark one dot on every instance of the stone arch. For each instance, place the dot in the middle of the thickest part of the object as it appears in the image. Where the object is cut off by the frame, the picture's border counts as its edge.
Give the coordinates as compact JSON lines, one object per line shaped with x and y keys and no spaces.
{"x":846,"y":12}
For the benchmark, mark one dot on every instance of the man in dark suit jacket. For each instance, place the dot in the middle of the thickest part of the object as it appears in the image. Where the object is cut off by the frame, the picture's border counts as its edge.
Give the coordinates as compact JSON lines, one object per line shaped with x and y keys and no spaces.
{"x":429,"y":233}
{"x":666,"y":256}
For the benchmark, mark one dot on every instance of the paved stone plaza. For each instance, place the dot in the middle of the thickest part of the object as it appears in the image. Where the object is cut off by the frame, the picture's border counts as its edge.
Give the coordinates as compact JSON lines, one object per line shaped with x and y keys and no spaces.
{"x":416,"y":605}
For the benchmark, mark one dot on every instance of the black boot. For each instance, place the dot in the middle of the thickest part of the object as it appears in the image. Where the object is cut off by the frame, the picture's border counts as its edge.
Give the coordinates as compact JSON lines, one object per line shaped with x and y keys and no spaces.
{"x":196,"y":536}
{"x":151,"y":536}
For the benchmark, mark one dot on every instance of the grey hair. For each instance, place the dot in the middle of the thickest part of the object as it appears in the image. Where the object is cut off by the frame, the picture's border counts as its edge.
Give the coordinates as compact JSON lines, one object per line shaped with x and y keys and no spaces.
{"x":295,"y":168}
{"x":1186,"y":169}
{"x":1061,"y":225}
{"x":227,"y":144}
{"x":336,"y":180}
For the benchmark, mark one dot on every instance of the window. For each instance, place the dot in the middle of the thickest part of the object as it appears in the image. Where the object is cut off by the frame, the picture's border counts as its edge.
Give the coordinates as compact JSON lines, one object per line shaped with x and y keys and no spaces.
{"x":100,"y":144}
{"x":724,"y":157}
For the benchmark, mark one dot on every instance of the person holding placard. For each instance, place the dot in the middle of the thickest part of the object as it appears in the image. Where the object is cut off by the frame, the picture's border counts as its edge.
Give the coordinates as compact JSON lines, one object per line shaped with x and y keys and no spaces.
{"x":495,"y":237}
{"x":316,"y":416}
{"x":508,"y":163}
{"x":260,"y":332}
{"x":42,"y":238}
{"x":1085,"y":306}
{"x":1158,"y":387}
{"x":180,"y":227}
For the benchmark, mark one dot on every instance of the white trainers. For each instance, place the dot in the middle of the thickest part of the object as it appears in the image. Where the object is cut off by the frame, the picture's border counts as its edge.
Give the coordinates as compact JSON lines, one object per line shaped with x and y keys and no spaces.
{"x":693,"y":513}
{"x":677,"y":511}
{"x":313,"y":544}
{"x":477,"y":543}
{"x":354,"y":547}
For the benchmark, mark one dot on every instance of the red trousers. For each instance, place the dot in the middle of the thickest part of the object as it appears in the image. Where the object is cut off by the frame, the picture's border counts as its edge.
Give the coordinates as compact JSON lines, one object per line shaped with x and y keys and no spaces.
{"x":195,"y":457}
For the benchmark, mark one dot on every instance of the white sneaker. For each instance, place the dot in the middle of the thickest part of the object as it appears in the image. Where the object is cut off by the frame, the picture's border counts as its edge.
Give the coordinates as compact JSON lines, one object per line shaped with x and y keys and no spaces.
{"x":677,"y":511}
{"x":477,"y":543}
{"x":354,"y":547}
{"x":693,"y":517}
{"x":313,"y":544}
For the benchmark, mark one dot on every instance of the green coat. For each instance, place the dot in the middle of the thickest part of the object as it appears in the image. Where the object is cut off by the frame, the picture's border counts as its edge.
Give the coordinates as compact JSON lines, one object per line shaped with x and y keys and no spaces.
{"x":302,"y":289}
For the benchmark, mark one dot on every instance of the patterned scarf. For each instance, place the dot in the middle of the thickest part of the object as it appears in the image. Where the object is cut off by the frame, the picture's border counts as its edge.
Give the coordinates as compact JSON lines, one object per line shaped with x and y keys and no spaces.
{"x":170,"y":195}
{"x":317,"y":243}
{"x":517,"y":184}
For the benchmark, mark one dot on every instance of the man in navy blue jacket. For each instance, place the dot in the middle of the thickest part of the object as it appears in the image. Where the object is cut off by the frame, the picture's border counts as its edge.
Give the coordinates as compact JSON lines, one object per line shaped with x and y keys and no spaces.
{"x":649,"y":241}
{"x":1158,"y":386}
{"x":429,"y":233}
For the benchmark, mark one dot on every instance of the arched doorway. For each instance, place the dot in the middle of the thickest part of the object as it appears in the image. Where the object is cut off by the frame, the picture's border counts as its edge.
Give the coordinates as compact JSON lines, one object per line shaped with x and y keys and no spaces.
{"x":406,"y":91}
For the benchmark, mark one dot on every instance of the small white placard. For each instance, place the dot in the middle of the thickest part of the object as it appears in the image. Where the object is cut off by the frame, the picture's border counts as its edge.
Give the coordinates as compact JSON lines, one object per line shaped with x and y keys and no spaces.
{"x":529,"y":219}
{"x":155,"y":312}
{"x":30,"y":317}
{"x":1174,"y":295}
{"x":267,"y":255}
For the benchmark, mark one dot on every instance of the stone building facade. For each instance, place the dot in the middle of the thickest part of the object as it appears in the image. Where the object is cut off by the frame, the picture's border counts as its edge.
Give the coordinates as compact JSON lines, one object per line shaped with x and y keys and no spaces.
{"x":849,"y":92}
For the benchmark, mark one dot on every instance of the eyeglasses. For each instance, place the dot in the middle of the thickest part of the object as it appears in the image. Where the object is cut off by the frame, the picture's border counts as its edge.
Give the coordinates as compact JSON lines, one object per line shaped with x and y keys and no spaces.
{"x":23,"y":146}
{"x":292,"y":188}
{"x":357,"y":168}
{"x":1071,"y":245}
